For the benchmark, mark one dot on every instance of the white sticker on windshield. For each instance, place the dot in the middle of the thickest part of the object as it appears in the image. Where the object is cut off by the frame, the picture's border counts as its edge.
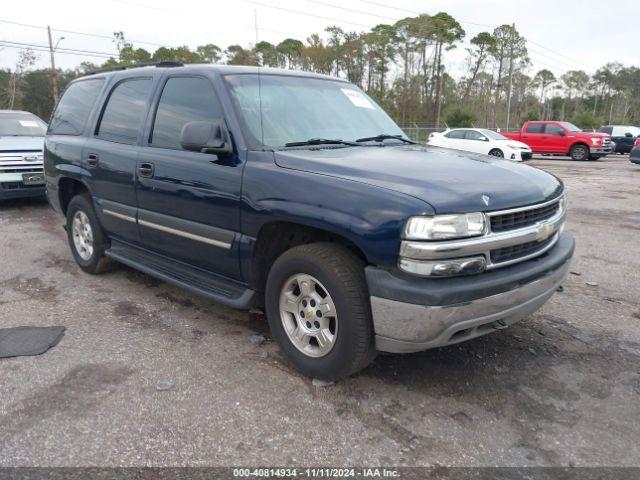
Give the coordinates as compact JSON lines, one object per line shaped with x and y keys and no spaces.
{"x":357,"y":98}
{"x":28,"y":123}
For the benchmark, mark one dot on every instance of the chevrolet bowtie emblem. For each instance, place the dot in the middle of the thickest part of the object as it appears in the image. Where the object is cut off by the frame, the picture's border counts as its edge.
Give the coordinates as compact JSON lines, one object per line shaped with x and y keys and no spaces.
{"x":486,"y":199}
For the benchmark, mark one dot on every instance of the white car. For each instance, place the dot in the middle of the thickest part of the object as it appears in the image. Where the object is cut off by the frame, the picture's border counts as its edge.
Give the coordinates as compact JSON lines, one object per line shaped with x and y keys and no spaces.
{"x":481,"y":140}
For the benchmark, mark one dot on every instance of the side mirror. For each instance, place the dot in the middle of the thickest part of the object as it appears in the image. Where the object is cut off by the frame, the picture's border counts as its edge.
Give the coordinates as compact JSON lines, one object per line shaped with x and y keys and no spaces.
{"x":206,"y":137}
{"x":628,"y":135}
{"x":484,"y":139}
{"x":561,"y":133}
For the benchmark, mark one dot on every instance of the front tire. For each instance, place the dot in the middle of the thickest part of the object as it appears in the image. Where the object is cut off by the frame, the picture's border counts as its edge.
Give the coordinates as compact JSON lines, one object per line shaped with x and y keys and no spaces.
{"x":579,"y":153}
{"x":86,"y":238}
{"x":496,"y":152}
{"x":319,"y":311}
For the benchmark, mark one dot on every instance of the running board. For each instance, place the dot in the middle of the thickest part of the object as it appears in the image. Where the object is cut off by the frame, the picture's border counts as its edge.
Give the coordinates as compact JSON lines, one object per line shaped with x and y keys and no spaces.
{"x":191,"y":278}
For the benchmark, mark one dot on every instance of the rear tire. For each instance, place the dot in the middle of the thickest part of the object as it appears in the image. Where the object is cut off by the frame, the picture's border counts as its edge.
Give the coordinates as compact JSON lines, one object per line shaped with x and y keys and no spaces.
{"x":579,"y":152}
{"x":496,"y":152}
{"x":86,"y":237}
{"x":315,"y":283}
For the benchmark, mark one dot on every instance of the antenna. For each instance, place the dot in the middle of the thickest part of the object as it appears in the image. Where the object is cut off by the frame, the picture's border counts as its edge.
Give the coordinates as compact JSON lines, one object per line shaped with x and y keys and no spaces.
{"x":255,"y":22}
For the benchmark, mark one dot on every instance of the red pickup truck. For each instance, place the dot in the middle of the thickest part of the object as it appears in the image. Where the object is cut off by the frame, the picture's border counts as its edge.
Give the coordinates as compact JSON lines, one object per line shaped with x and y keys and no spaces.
{"x":562,"y":138}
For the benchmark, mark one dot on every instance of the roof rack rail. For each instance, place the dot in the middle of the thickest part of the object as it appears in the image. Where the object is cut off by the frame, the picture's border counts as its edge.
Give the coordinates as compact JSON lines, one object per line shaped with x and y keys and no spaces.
{"x":163,"y":64}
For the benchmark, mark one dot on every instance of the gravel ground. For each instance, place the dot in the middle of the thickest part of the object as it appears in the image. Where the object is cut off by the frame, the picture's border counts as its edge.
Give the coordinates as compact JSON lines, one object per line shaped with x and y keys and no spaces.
{"x":560,"y":388}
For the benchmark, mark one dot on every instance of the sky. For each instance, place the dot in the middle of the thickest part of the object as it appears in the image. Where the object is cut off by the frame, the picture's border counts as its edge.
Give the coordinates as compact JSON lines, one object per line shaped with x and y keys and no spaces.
{"x":563,"y":35}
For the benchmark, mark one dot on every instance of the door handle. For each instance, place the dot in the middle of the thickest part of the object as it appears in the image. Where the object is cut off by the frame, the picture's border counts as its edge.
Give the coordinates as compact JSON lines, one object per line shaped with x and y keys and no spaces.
{"x":145,"y":170}
{"x":93,"y":159}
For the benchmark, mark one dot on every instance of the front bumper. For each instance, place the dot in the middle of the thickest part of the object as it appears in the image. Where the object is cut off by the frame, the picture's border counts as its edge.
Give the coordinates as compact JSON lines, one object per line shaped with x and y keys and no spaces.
{"x":600,"y":150}
{"x":13,"y":186}
{"x":412,"y":314}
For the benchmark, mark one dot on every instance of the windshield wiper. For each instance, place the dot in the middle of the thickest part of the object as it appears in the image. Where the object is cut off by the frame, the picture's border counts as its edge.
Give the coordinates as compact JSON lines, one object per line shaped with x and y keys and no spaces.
{"x":320,"y":141}
{"x":384,"y":136}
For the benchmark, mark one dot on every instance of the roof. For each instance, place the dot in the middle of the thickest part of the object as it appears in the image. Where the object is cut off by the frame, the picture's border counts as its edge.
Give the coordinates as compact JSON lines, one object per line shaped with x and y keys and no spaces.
{"x":221,"y":69}
{"x":16,"y":111}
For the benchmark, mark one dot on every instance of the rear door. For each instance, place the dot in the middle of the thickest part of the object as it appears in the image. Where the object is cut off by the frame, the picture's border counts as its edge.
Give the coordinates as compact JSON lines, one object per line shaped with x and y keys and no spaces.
{"x":188,"y":201}
{"x":454,"y":139}
{"x":534,"y":136}
{"x":110,"y":156}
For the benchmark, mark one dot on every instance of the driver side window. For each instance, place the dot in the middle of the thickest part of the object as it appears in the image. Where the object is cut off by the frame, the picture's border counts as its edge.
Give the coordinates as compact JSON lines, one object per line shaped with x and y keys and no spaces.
{"x":473,"y":135}
{"x":553,"y":129}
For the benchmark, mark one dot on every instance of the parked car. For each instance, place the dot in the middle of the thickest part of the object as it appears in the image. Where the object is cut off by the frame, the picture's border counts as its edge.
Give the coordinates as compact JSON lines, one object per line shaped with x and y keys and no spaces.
{"x":634,"y":155}
{"x":21,"y":144}
{"x":562,"y":138}
{"x":624,"y":136}
{"x":480,"y":140}
{"x":295,"y":193}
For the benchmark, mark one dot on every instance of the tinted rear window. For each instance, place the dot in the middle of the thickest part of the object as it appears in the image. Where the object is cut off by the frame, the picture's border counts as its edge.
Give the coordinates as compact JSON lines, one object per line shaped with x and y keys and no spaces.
{"x":455,"y":134}
{"x":74,"y":108}
{"x":124,"y":113}
{"x":535,"y":127}
{"x":21,"y":125}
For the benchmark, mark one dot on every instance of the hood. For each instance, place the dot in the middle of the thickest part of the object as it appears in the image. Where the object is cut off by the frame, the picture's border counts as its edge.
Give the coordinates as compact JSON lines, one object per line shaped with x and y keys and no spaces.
{"x":12,"y":143}
{"x":450,"y":181}
{"x":588,"y":134}
{"x":519,"y":144}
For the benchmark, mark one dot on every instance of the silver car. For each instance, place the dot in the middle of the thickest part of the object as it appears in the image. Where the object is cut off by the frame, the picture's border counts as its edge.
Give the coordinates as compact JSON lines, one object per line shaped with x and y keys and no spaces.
{"x":21,"y":144}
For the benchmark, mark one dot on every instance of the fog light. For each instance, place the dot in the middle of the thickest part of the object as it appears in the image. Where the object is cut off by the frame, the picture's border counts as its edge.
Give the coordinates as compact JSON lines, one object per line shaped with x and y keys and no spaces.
{"x":513,"y":156}
{"x":443,"y":268}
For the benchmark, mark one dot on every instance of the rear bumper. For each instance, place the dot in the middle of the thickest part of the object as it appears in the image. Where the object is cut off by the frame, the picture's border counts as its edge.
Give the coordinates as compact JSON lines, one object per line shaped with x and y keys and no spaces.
{"x":414,"y":314}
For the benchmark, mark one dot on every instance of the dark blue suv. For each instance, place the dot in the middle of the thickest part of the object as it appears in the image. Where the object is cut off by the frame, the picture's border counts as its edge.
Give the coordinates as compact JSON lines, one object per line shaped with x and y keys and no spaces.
{"x":296,"y":193}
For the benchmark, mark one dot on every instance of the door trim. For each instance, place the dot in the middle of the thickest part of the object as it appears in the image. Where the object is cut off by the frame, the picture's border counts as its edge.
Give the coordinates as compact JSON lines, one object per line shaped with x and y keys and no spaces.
{"x":187,"y":229}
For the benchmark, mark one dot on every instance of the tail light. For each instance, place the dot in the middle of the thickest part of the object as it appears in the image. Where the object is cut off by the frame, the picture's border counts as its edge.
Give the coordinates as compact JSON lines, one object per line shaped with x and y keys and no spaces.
{"x":637,"y":142}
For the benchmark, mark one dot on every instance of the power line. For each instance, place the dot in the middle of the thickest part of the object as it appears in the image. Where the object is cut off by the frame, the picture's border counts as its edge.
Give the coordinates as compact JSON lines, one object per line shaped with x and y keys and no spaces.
{"x":371,"y":2}
{"x":38,"y":48}
{"x":74,"y":32}
{"x":306,"y":14}
{"x":76,"y":50}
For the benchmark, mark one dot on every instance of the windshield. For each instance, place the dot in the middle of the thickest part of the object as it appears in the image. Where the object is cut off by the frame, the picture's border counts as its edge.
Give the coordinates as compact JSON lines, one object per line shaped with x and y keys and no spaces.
{"x":570,"y":127}
{"x":296,"y":109}
{"x":493,"y":135}
{"x":21,"y":125}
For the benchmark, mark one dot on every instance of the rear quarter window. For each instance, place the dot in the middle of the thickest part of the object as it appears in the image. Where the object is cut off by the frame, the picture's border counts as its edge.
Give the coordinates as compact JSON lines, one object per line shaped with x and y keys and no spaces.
{"x":535,"y":128}
{"x":124,"y":113}
{"x":72,"y":112}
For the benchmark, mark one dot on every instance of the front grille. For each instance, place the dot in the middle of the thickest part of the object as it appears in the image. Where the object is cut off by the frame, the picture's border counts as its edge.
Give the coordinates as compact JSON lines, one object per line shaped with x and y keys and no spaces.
{"x":525,"y":155}
{"x":523,"y":218}
{"x":606,"y":141}
{"x":17,"y":186}
{"x":21,"y":169}
{"x":513,"y":252}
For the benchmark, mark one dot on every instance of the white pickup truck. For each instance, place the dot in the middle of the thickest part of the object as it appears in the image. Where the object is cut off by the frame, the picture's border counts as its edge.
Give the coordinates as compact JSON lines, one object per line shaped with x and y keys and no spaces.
{"x":21,"y":144}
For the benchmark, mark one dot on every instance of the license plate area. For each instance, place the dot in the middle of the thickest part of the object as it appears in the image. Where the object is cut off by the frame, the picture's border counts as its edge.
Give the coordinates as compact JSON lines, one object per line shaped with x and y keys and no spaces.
{"x":33,"y":178}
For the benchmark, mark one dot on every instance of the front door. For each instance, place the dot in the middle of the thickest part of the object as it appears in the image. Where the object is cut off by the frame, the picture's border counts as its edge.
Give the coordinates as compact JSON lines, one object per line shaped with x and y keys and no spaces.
{"x":188,"y":202}
{"x":556,"y":138}
{"x":110,"y":155}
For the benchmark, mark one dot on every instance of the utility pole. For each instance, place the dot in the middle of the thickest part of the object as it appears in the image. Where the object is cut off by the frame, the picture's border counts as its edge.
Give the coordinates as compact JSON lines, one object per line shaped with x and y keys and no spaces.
{"x":54,"y":76}
{"x":510,"y":85}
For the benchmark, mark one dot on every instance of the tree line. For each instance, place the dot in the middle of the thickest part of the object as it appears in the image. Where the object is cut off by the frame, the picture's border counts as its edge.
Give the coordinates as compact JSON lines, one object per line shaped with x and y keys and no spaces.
{"x":403,"y":66}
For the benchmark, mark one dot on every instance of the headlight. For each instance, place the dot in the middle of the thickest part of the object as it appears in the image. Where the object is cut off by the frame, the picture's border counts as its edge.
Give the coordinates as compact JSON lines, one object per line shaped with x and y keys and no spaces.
{"x":515,"y":147}
{"x":442,"y":227}
{"x":595,"y":140}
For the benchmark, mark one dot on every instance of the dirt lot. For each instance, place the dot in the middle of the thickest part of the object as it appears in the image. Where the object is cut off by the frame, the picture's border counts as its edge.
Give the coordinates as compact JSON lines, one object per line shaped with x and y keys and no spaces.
{"x":559,"y":388}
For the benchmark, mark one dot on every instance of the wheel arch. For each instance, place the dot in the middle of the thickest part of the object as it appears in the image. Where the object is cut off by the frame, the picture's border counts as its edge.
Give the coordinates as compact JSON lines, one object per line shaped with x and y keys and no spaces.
{"x":68,"y":188}
{"x":277,"y":236}
{"x":576,"y":143}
